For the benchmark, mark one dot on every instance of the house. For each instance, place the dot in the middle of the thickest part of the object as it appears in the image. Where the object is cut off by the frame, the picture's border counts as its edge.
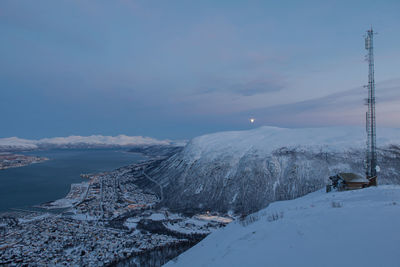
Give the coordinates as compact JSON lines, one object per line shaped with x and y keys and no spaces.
{"x":347,"y":181}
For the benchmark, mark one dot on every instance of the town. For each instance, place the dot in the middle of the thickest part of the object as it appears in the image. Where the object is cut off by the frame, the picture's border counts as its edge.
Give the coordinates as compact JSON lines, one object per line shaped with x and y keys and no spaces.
{"x":102,"y":221}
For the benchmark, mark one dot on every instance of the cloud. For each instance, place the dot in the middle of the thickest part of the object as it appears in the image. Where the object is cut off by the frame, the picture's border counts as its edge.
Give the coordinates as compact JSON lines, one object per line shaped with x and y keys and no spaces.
{"x":256,"y":87}
{"x":247,"y":87}
{"x":342,"y":108}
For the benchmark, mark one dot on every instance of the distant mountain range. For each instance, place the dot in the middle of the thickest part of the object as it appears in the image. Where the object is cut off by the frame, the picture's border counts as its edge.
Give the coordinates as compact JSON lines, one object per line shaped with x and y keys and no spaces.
{"x":93,"y":141}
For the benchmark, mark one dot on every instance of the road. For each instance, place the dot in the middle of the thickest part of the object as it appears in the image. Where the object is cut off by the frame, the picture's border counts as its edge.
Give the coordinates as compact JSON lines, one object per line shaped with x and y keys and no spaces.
{"x":157,"y":183}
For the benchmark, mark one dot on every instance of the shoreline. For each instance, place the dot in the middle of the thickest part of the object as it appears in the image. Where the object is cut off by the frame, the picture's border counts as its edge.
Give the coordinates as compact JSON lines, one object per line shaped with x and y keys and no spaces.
{"x":107,"y":219}
{"x":11,"y":160}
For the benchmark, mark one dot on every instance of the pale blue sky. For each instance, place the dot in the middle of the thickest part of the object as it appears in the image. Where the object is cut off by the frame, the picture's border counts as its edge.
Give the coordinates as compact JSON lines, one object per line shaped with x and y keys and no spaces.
{"x":177,"y":69}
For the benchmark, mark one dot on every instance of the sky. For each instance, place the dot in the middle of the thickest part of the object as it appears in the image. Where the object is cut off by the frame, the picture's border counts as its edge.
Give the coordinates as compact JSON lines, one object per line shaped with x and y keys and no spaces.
{"x":178,"y":69}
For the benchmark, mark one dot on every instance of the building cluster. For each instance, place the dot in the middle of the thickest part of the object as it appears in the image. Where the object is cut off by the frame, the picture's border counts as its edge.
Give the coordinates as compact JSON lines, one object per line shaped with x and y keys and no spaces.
{"x":113,"y":194}
{"x":8,"y":160}
{"x":104,"y":220}
{"x":56,"y":240}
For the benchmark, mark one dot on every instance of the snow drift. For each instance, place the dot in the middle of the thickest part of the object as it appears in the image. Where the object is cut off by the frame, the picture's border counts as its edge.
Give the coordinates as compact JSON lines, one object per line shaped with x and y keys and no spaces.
{"x":353,"y":228}
{"x":243,"y":171}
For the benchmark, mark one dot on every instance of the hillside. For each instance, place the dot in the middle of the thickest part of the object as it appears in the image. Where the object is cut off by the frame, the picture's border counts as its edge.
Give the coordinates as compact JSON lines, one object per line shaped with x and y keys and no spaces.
{"x":353,"y":228}
{"x":244,"y":171}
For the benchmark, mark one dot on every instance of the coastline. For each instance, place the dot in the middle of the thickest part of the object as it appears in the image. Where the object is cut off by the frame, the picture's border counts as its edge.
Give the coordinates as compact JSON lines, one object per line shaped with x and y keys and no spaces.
{"x":11,"y":160}
{"x":107,"y":219}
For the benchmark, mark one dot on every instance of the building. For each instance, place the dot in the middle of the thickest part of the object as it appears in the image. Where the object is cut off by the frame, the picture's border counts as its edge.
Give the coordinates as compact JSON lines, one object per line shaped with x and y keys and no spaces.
{"x":347,"y":181}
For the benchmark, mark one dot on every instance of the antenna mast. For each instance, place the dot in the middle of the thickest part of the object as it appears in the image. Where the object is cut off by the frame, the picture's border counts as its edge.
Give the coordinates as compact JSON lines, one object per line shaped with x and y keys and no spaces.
{"x":370,"y":116}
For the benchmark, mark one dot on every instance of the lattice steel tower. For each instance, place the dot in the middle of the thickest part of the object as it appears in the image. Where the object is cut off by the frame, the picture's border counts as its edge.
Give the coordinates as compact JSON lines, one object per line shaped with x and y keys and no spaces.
{"x":370,"y":116}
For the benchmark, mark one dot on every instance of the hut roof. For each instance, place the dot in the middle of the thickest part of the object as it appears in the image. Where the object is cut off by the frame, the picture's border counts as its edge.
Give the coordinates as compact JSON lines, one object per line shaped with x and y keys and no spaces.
{"x":352,"y":177}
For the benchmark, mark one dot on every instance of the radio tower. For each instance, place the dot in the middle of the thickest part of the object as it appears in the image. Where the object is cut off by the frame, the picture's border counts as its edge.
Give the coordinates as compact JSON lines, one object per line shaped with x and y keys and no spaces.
{"x":370,"y":116}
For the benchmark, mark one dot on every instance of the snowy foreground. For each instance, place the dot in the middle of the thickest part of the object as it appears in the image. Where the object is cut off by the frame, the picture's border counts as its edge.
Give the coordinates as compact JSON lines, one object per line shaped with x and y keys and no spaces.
{"x":352,"y":228}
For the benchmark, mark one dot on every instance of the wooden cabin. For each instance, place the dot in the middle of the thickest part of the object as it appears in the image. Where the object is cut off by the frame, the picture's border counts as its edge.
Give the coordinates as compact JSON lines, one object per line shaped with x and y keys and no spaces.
{"x":347,"y":181}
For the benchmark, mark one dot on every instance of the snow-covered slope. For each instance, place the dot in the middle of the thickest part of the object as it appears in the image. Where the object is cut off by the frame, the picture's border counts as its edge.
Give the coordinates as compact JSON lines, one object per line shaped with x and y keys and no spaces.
{"x":243,"y":171}
{"x":15,"y":143}
{"x":93,"y":141}
{"x":353,"y":228}
{"x":267,"y":139}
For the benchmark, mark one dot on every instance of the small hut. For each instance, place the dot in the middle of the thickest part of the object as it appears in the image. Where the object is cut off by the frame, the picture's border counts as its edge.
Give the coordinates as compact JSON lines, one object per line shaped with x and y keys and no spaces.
{"x":347,"y":181}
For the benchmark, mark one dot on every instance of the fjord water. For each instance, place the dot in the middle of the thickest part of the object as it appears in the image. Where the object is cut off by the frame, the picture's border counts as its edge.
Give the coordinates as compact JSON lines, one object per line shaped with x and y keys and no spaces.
{"x":50,"y":180}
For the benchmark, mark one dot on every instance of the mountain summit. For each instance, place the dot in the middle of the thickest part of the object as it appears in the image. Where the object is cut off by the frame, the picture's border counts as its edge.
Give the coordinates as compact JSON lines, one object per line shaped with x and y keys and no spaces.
{"x":244,"y":171}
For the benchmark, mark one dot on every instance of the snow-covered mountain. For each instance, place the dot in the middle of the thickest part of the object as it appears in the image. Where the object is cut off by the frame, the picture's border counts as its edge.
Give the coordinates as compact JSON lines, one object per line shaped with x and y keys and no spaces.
{"x":352,"y":228}
{"x":243,"y":171}
{"x":93,"y":141}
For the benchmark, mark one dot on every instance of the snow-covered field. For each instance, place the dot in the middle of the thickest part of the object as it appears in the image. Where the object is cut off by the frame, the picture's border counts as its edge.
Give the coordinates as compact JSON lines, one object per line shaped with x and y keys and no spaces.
{"x":76,"y":194}
{"x":352,"y":228}
{"x":198,"y":224}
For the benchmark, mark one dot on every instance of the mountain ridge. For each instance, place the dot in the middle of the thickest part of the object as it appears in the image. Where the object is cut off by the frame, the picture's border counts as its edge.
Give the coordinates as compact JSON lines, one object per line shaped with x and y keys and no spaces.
{"x":244,"y":171}
{"x":75,"y":141}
